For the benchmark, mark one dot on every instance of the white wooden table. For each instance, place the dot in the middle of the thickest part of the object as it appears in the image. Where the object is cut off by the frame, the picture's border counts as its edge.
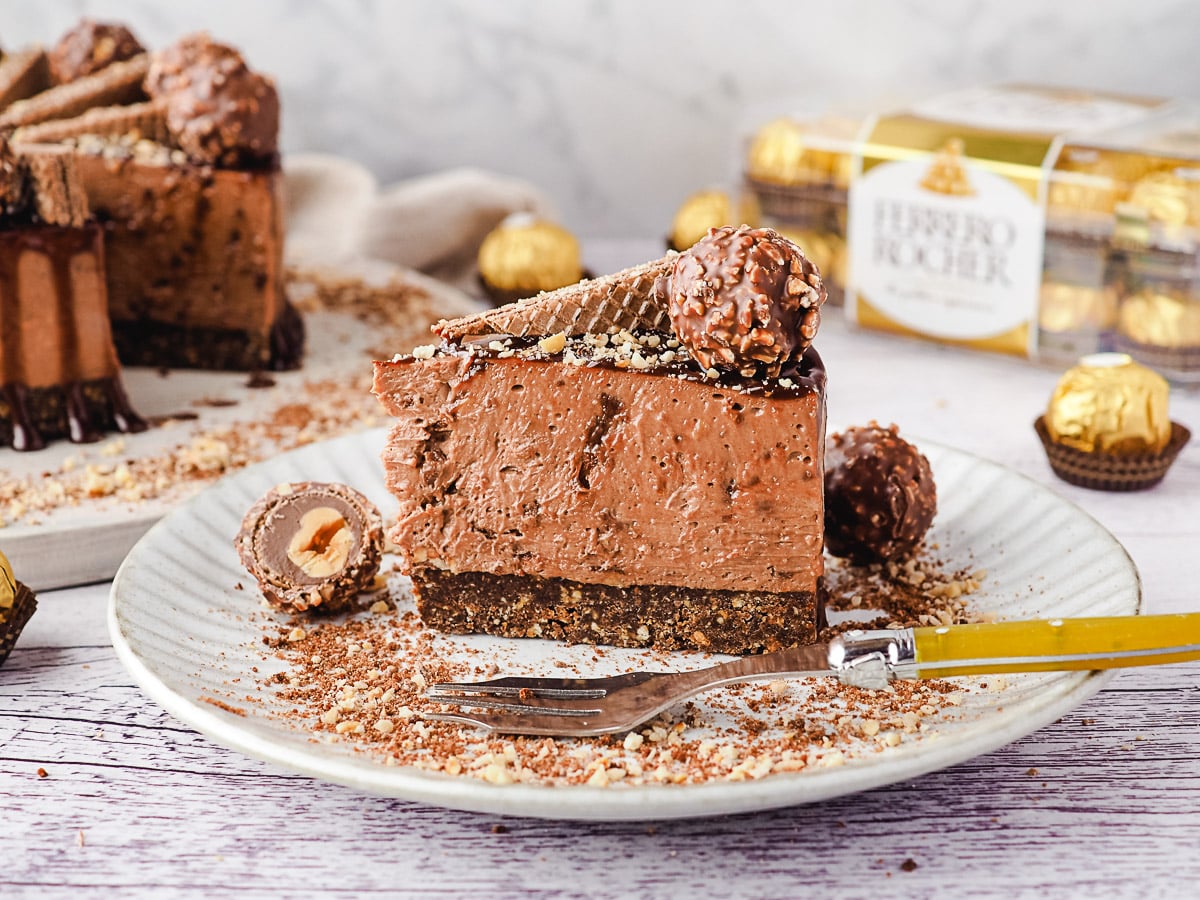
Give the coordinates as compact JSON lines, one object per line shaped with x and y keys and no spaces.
{"x":1105,"y":802}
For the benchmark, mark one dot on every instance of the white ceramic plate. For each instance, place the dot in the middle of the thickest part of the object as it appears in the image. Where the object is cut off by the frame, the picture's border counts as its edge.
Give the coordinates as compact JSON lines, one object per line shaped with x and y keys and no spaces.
{"x":183,"y":632}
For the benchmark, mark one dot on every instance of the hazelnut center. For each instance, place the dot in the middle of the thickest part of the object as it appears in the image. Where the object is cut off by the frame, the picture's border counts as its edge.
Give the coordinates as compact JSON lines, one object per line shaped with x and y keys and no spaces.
{"x":321,"y":545}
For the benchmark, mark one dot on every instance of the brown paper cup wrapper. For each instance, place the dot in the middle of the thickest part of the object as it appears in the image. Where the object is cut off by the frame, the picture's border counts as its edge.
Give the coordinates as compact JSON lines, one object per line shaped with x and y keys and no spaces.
{"x":1107,"y":471}
{"x":23,"y":607}
{"x":810,"y":206}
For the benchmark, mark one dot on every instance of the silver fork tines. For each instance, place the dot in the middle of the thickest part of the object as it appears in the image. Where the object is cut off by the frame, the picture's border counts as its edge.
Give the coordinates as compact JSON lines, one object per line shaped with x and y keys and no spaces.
{"x":578,"y":707}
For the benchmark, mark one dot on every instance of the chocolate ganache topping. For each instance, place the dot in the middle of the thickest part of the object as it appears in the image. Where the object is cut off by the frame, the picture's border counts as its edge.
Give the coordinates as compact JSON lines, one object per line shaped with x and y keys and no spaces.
{"x":89,"y":47}
{"x":880,"y":497}
{"x":744,"y":299}
{"x":217,"y":109}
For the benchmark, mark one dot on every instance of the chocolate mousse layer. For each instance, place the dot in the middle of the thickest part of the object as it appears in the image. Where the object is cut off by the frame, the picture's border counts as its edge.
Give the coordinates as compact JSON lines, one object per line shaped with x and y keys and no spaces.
{"x":195,"y":259}
{"x":605,"y":489}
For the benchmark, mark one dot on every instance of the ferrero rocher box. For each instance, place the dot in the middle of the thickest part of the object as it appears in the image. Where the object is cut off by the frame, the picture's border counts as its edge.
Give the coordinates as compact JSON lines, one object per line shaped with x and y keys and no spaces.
{"x":1035,"y":221}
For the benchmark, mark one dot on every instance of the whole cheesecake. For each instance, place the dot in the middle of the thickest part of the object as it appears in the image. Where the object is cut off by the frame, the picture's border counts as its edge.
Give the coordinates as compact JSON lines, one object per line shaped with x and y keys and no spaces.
{"x":176,"y":151}
{"x":613,"y":462}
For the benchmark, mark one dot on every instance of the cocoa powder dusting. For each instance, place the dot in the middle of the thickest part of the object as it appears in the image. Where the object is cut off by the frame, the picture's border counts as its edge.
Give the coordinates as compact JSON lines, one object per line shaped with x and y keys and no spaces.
{"x":360,"y":683}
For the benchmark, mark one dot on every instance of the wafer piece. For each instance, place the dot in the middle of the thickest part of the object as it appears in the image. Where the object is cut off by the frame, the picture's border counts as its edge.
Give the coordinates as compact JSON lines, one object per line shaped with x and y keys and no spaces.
{"x":58,"y":194}
{"x":119,"y":83}
{"x":23,"y":74}
{"x":147,"y":120}
{"x":625,"y":299}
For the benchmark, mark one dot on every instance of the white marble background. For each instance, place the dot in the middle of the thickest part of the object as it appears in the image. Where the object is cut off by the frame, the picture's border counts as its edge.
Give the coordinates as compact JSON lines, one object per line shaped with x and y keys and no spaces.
{"x":620,"y":108}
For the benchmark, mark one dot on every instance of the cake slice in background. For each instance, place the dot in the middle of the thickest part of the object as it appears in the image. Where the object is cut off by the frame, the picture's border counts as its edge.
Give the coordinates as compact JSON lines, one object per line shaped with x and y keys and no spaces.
{"x":634,"y":460}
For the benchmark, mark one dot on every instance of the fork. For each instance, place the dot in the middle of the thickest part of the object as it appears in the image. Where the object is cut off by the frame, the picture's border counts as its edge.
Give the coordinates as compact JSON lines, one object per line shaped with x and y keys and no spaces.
{"x":579,"y":707}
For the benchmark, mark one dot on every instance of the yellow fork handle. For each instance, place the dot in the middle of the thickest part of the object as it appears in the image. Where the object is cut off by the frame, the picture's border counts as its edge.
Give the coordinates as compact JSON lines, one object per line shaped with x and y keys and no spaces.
{"x":1055,"y":645}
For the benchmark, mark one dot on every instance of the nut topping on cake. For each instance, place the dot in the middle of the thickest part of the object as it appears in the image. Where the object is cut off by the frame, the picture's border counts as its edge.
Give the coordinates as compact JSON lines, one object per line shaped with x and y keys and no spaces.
{"x":217,"y":109}
{"x":880,"y":497}
{"x":744,"y":299}
{"x":312,"y":546}
{"x":89,"y":47}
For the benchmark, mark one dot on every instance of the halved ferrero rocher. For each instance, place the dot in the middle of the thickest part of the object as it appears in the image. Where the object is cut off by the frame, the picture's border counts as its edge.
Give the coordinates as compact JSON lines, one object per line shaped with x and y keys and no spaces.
{"x":1107,"y":425}
{"x":312,"y":547}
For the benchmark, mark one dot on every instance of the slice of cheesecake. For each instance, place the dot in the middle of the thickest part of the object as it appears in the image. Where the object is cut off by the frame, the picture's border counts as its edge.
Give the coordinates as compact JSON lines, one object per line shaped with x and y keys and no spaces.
{"x":584,"y":478}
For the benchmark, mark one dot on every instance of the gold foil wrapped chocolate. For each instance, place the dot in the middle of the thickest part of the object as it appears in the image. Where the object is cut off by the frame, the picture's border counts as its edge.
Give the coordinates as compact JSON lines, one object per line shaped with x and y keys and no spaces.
{"x":1084,"y":181}
{"x":17,"y":604}
{"x":529,"y":255}
{"x":782,"y":152}
{"x":697,"y":214}
{"x":1168,"y":197}
{"x":8,"y":587}
{"x":1160,"y":320}
{"x":1065,"y":308}
{"x":1109,"y":404}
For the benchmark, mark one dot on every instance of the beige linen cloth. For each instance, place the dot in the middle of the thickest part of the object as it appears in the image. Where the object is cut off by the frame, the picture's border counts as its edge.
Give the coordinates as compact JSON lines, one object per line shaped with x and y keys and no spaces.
{"x":338,"y":215}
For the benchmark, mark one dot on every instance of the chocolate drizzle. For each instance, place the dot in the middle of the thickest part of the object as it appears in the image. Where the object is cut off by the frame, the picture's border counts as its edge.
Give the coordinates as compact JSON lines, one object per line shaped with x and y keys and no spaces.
{"x":287,"y":338}
{"x":123,"y":413}
{"x":80,"y":428}
{"x":25,"y":435}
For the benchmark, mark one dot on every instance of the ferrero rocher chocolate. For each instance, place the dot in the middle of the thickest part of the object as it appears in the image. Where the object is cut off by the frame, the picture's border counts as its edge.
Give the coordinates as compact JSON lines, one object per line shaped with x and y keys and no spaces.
{"x":880,"y":497}
{"x":523,"y":256}
{"x":311,"y":546}
{"x":744,"y":299}
{"x":1160,"y":320}
{"x":89,"y":47}
{"x":782,"y":153}
{"x":8,"y":585}
{"x":697,"y":214}
{"x":1167,"y":198}
{"x":217,"y":109}
{"x":1109,"y":404}
{"x":1083,"y":181}
{"x":1066,"y":308}
{"x":17,"y":604}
